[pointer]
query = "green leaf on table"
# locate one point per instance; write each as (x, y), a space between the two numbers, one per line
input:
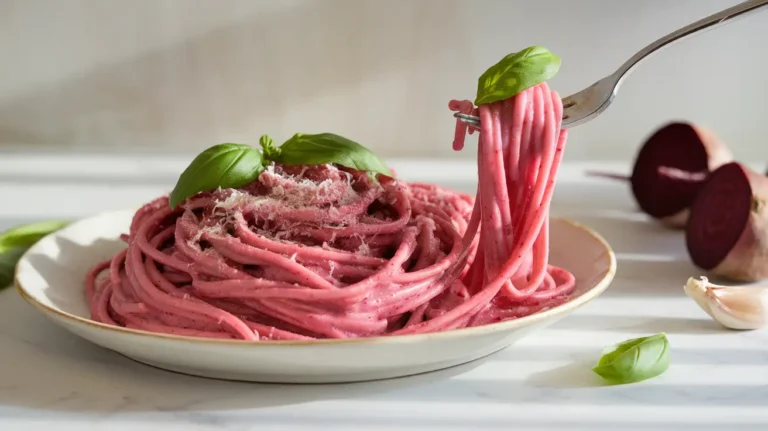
(28, 234)
(306, 149)
(634, 360)
(515, 73)
(8, 260)
(223, 165)
(15, 241)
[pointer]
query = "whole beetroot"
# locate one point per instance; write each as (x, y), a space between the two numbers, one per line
(727, 232)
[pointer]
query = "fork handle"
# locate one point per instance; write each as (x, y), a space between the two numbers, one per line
(708, 23)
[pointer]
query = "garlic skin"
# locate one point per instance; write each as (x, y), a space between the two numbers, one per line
(735, 307)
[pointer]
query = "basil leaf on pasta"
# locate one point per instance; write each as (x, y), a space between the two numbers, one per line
(223, 165)
(305, 149)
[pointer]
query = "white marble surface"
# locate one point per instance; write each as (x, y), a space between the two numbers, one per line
(51, 380)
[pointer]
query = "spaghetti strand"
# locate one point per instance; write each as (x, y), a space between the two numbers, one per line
(323, 251)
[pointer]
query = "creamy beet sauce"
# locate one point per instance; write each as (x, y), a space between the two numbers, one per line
(310, 252)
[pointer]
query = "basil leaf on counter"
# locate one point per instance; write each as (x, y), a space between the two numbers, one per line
(28, 234)
(634, 360)
(223, 165)
(516, 72)
(14, 242)
(304, 149)
(8, 260)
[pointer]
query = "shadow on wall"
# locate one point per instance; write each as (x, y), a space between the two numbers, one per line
(239, 81)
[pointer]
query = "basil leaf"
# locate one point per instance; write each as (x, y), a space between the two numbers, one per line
(634, 360)
(28, 234)
(8, 260)
(268, 147)
(14, 242)
(223, 165)
(303, 149)
(516, 72)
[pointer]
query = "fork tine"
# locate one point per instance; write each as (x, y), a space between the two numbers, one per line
(469, 119)
(475, 121)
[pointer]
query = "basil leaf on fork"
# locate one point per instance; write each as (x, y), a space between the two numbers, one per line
(516, 72)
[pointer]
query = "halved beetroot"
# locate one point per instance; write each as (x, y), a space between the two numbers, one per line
(727, 232)
(670, 168)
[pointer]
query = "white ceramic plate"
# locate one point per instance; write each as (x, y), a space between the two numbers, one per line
(50, 277)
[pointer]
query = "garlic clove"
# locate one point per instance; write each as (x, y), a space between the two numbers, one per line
(735, 307)
(740, 307)
(697, 289)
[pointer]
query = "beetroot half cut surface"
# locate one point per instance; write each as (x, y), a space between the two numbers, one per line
(719, 216)
(669, 170)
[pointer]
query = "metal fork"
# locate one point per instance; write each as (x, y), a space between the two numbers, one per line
(587, 104)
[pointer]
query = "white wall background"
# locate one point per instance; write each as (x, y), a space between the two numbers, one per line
(169, 75)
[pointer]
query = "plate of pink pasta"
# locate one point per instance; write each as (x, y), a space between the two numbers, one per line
(313, 262)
